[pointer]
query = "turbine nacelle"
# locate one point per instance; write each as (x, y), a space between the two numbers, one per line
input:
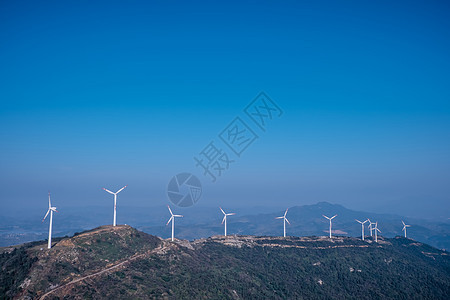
(50, 208)
(172, 216)
(48, 211)
(225, 214)
(284, 217)
(115, 192)
(405, 225)
(330, 218)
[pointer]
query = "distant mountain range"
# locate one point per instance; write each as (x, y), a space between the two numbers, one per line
(123, 263)
(201, 222)
(307, 220)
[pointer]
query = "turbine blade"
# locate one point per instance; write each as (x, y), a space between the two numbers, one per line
(121, 189)
(222, 210)
(287, 221)
(223, 220)
(169, 220)
(46, 215)
(403, 223)
(358, 221)
(179, 216)
(170, 210)
(108, 191)
(285, 213)
(279, 217)
(231, 214)
(333, 216)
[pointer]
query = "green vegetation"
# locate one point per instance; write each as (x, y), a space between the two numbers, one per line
(15, 266)
(239, 268)
(218, 271)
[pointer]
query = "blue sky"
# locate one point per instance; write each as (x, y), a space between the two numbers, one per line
(114, 93)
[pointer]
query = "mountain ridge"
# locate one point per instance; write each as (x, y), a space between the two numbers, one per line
(122, 262)
(201, 222)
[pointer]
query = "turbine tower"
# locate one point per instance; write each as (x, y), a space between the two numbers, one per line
(50, 210)
(330, 221)
(362, 228)
(376, 230)
(225, 219)
(172, 218)
(404, 227)
(115, 202)
(284, 221)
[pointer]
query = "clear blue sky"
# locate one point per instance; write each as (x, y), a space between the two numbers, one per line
(113, 93)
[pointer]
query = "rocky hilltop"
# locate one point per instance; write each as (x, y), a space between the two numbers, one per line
(122, 263)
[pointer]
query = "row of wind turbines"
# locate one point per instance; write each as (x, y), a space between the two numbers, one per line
(373, 229)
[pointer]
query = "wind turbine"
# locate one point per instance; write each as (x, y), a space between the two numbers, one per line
(115, 201)
(330, 221)
(172, 218)
(370, 226)
(50, 210)
(404, 227)
(284, 221)
(376, 231)
(225, 219)
(362, 228)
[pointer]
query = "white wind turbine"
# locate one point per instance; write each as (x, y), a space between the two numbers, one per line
(172, 218)
(115, 202)
(330, 221)
(50, 210)
(404, 227)
(370, 227)
(284, 222)
(376, 231)
(362, 227)
(225, 219)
